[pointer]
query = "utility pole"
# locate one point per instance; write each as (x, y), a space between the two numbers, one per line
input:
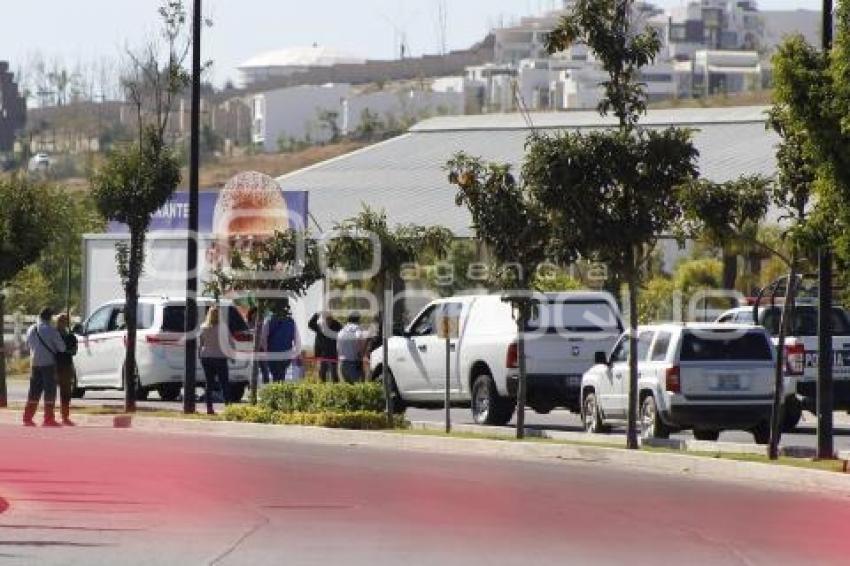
(824, 395)
(192, 262)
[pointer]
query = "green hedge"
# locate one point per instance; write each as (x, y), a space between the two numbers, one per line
(355, 420)
(305, 397)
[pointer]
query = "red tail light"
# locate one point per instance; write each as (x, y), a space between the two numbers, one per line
(159, 340)
(512, 357)
(243, 336)
(674, 381)
(795, 359)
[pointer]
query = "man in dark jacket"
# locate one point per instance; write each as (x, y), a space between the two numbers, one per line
(326, 328)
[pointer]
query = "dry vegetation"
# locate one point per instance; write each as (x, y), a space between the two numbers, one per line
(755, 98)
(216, 174)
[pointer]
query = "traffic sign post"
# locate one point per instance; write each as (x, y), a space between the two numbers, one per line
(448, 328)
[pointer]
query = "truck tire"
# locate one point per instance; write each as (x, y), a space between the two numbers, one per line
(709, 435)
(169, 391)
(651, 425)
(792, 412)
(399, 405)
(761, 433)
(488, 407)
(591, 416)
(141, 393)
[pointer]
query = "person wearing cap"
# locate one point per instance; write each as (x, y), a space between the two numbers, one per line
(351, 345)
(44, 343)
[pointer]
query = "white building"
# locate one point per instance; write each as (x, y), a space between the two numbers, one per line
(286, 116)
(286, 62)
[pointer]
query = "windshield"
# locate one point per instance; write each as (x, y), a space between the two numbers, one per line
(575, 316)
(805, 321)
(725, 345)
(174, 318)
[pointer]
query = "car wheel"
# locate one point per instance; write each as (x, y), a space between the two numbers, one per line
(399, 405)
(488, 407)
(710, 435)
(792, 412)
(237, 391)
(169, 391)
(651, 425)
(761, 433)
(591, 417)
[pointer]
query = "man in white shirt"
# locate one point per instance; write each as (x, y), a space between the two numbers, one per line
(351, 345)
(44, 342)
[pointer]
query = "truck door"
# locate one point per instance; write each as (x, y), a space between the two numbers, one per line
(411, 367)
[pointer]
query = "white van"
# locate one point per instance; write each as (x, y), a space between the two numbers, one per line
(562, 339)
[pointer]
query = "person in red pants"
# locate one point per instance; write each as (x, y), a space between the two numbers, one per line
(44, 343)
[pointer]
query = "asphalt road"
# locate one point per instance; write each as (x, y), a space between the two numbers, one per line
(805, 435)
(92, 496)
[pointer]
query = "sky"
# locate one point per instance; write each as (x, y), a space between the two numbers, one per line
(84, 31)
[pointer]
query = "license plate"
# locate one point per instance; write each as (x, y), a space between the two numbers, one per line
(728, 382)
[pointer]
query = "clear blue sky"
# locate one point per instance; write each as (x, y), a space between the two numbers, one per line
(85, 30)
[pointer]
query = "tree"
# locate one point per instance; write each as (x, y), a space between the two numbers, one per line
(514, 227)
(137, 180)
(271, 271)
(609, 195)
(354, 250)
(329, 121)
(27, 220)
(727, 216)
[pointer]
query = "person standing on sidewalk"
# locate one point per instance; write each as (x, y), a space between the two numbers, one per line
(44, 342)
(351, 346)
(279, 338)
(65, 367)
(214, 359)
(326, 328)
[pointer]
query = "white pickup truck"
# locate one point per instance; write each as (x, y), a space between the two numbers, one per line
(561, 343)
(801, 350)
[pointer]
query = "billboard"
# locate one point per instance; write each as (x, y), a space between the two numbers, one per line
(174, 215)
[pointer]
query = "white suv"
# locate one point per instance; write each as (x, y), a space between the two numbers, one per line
(160, 355)
(704, 377)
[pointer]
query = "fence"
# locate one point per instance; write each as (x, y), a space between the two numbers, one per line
(14, 332)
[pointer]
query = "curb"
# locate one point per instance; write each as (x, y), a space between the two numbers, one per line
(748, 473)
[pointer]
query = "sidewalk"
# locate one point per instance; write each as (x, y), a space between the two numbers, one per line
(748, 473)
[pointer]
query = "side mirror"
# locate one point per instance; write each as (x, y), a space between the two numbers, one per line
(78, 329)
(601, 358)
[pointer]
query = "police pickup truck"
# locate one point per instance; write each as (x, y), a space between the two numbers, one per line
(801, 352)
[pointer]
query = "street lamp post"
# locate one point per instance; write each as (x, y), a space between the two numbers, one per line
(192, 261)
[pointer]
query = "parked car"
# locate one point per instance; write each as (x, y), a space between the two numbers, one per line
(160, 356)
(703, 377)
(561, 340)
(801, 352)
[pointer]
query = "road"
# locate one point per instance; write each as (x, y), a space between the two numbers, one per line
(92, 496)
(805, 435)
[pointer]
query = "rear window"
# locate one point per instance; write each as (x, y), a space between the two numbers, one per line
(174, 318)
(575, 316)
(805, 321)
(725, 345)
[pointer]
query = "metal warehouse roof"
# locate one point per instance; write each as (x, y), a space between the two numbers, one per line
(405, 175)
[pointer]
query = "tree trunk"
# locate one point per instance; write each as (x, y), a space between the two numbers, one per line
(255, 366)
(387, 323)
(130, 315)
(632, 431)
(3, 395)
(522, 389)
(778, 385)
(730, 269)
